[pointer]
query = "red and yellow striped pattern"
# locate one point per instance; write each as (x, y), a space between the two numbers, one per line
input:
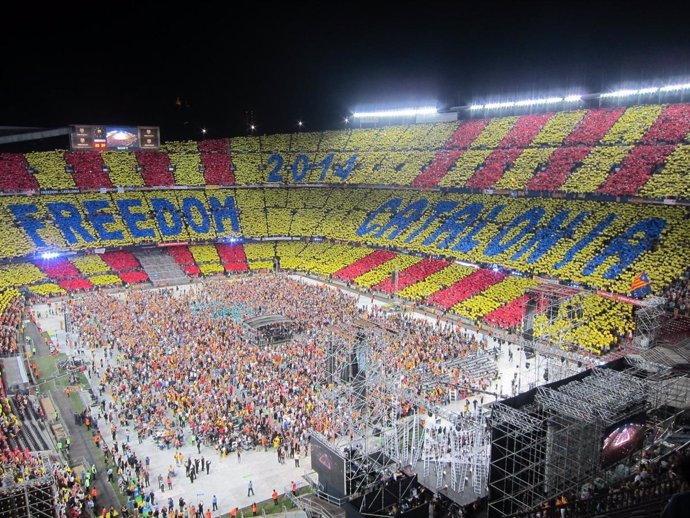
(622, 151)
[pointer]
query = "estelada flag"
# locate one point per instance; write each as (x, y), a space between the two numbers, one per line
(640, 285)
(640, 281)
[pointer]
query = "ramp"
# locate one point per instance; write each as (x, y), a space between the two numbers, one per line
(160, 267)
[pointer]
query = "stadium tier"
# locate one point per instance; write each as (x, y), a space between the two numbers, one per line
(401, 242)
(455, 238)
(641, 151)
(480, 295)
(602, 245)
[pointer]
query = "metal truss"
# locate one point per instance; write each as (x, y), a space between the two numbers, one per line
(646, 364)
(35, 498)
(381, 419)
(518, 447)
(667, 387)
(520, 422)
(649, 320)
(555, 300)
(361, 397)
(553, 444)
(456, 455)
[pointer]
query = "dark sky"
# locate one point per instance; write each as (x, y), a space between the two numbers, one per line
(129, 63)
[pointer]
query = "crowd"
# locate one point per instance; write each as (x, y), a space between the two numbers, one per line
(678, 295)
(479, 153)
(169, 367)
(651, 482)
(74, 496)
(18, 466)
(11, 307)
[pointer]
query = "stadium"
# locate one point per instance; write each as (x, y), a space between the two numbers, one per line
(453, 313)
(319, 260)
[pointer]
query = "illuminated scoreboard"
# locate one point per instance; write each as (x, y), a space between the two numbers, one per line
(84, 137)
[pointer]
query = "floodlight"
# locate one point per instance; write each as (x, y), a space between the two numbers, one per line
(404, 112)
(619, 93)
(650, 90)
(675, 88)
(572, 98)
(493, 106)
(476, 106)
(49, 255)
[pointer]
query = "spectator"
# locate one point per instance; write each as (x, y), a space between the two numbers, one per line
(679, 504)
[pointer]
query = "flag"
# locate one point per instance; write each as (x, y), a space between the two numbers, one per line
(640, 285)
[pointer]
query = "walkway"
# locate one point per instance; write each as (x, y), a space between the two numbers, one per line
(81, 448)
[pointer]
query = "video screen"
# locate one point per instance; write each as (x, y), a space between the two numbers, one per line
(622, 441)
(330, 466)
(122, 137)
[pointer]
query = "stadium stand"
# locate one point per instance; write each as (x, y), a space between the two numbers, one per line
(14, 173)
(123, 168)
(187, 168)
(591, 243)
(49, 169)
(456, 218)
(636, 170)
(232, 257)
(509, 316)
(465, 288)
(622, 151)
(385, 270)
(561, 163)
(155, 168)
(672, 180)
(87, 169)
(593, 126)
(672, 125)
(11, 307)
(383, 235)
(411, 275)
(364, 265)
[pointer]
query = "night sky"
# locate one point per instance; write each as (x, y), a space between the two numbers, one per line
(130, 63)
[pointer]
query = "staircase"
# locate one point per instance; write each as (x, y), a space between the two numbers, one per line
(160, 267)
(32, 435)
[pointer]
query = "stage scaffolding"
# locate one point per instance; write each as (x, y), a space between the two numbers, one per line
(385, 423)
(552, 443)
(549, 299)
(34, 498)
(649, 320)
(362, 393)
